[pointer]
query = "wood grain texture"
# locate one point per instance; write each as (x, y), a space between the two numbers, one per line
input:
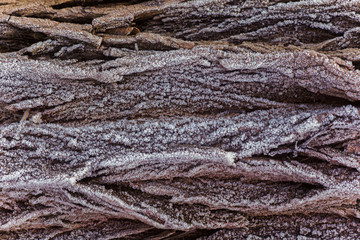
(203, 119)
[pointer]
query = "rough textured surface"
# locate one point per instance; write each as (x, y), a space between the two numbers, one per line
(204, 119)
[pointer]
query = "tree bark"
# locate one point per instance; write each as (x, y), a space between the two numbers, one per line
(213, 119)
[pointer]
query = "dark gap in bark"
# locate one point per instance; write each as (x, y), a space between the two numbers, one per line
(307, 187)
(56, 228)
(356, 65)
(338, 145)
(297, 94)
(130, 46)
(355, 104)
(315, 35)
(317, 98)
(326, 167)
(87, 19)
(119, 187)
(116, 187)
(90, 180)
(78, 20)
(86, 55)
(152, 46)
(309, 160)
(43, 15)
(16, 39)
(5, 211)
(146, 18)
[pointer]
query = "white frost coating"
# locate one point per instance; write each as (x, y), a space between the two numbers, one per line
(13, 176)
(138, 64)
(169, 158)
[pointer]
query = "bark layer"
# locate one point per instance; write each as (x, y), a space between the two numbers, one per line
(179, 119)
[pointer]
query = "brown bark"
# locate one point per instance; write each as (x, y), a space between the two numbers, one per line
(179, 119)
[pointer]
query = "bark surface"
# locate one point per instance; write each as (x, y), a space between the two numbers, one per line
(170, 119)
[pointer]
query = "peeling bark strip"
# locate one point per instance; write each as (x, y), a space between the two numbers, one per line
(179, 119)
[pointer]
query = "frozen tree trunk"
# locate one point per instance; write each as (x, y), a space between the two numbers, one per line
(204, 119)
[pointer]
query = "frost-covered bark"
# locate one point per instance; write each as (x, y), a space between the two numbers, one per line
(179, 119)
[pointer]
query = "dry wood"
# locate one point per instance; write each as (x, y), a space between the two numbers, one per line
(204, 119)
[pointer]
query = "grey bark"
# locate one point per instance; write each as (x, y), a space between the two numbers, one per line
(179, 119)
